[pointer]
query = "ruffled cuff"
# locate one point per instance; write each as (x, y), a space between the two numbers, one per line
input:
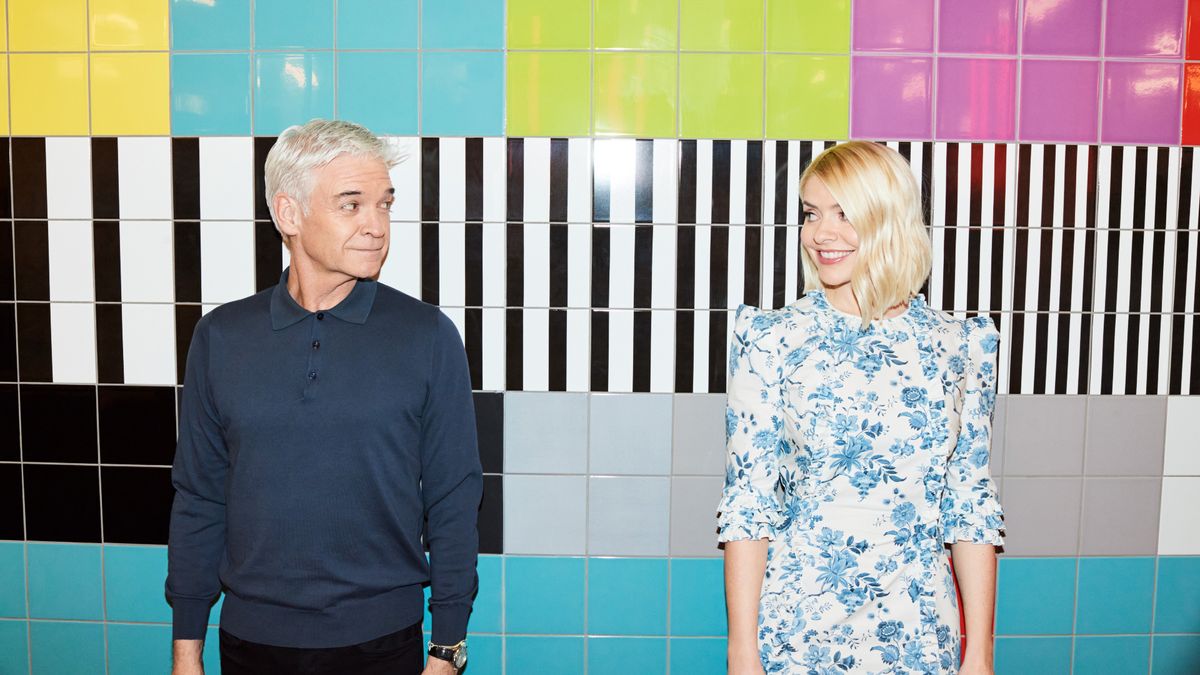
(748, 518)
(975, 522)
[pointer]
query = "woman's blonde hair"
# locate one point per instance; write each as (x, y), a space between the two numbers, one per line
(879, 195)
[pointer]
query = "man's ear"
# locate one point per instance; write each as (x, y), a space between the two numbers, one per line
(287, 214)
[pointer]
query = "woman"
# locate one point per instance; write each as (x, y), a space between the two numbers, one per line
(859, 426)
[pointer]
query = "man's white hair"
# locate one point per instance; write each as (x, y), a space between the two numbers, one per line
(304, 148)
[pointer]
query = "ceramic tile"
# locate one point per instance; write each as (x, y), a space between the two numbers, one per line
(14, 646)
(808, 96)
(291, 89)
(377, 24)
(612, 655)
(531, 528)
(1175, 654)
(60, 647)
(1044, 85)
(47, 25)
(4, 117)
(1125, 435)
(1141, 103)
(138, 649)
(1061, 27)
(293, 24)
(1177, 600)
(131, 94)
(1041, 516)
(12, 580)
(49, 94)
(1115, 595)
(636, 24)
(721, 95)
(1035, 596)
(128, 24)
(893, 25)
(820, 27)
(379, 91)
(627, 596)
(1139, 28)
(721, 25)
(549, 24)
(1045, 435)
(65, 582)
(544, 595)
(1192, 30)
(1182, 455)
(616, 501)
(1120, 516)
(462, 24)
(1103, 655)
(694, 515)
(891, 97)
(62, 503)
(698, 656)
(136, 504)
(698, 435)
(462, 94)
(976, 99)
(630, 434)
(530, 654)
(547, 93)
(204, 24)
(978, 27)
(545, 432)
(635, 94)
(1179, 527)
(133, 583)
(1191, 104)
(697, 597)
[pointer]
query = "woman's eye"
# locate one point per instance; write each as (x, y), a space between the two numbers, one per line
(810, 215)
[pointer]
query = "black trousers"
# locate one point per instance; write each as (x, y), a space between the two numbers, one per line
(400, 653)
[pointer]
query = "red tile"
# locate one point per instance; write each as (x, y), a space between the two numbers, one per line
(1193, 30)
(1191, 103)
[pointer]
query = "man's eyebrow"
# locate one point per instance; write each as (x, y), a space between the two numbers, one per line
(356, 193)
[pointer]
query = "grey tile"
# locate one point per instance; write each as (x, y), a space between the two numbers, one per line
(545, 514)
(694, 515)
(698, 437)
(1126, 435)
(1041, 515)
(630, 434)
(1120, 516)
(1043, 435)
(999, 419)
(628, 515)
(545, 432)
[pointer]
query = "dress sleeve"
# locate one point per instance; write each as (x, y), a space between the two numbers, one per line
(749, 508)
(970, 509)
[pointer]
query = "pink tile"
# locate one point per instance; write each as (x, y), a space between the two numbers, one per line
(976, 99)
(1044, 87)
(1062, 27)
(978, 26)
(1141, 102)
(893, 25)
(891, 97)
(1144, 28)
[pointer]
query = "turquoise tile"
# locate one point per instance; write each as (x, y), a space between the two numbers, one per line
(1178, 597)
(486, 654)
(543, 595)
(532, 654)
(133, 583)
(462, 94)
(12, 579)
(212, 651)
(14, 646)
(134, 649)
(617, 656)
(627, 596)
(210, 94)
(376, 24)
(485, 616)
(1112, 655)
(698, 656)
(293, 24)
(61, 648)
(1115, 595)
(1033, 656)
(462, 24)
(1175, 654)
(379, 91)
(64, 582)
(697, 597)
(1035, 596)
(291, 89)
(210, 24)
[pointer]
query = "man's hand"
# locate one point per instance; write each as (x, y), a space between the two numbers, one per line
(188, 657)
(434, 666)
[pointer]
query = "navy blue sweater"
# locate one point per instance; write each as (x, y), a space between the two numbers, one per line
(312, 448)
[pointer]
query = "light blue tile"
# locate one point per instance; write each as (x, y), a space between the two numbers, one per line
(544, 595)
(12, 579)
(293, 24)
(210, 94)
(630, 434)
(620, 656)
(627, 596)
(64, 582)
(212, 651)
(210, 24)
(377, 24)
(1175, 654)
(133, 583)
(14, 646)
(545, 432)
(697, 597)
(486, 654)
(379, 91)
(698, 656)
(134, 649)
(462, 94)
(61, 648)
(1035, 596)
(616, 501)
(462, 24)
(531, 527)
(532, 654)
(1178, 603)
(1111, 655)
(485, 617)
(1033, 656)
(291, 89)
(1115, 595)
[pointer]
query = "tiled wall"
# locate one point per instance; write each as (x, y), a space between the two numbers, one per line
(592, 186)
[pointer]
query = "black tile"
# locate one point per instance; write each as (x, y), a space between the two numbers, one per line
(12, 512)
(491, 515)
(10, 439)
(489, 425)
(106, 197)
(62, 503)
(7, 290)
(110, 355)
(32, 243)
(137, 504)
(187, 261)
(8, 342)
(58, 423)
(137, 425)
(186, 318)
(106, 259)
(268, 255)
(185, 177)
(5, 195)
(29, 177)
(33, 340)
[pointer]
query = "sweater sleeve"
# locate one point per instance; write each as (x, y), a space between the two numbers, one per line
(197, 535)
(451, 485)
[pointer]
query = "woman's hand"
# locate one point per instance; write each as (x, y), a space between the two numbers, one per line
(976, 667)
(744, 665)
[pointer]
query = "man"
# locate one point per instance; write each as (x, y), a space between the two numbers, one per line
(326, 425)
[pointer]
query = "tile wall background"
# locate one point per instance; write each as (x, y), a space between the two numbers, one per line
(591, 187)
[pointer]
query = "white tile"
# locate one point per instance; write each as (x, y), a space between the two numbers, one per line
(579, 363)
(493, 336)
(72, 274)
(457, 316)
(537, 263)
(579, 265)
(494, 247)
(227, 178)
(530, 527)
(148, 337)
(73, 341)
(406, 178)
(579, 180)
(1183, 436)
(535, 364)
(452, 184)
(147, 252)
(144, 177)
(1179, 524)
(68, 178)
(536, 182)
(226, 260)
(402, 269)
(452, 275)
(495, 185)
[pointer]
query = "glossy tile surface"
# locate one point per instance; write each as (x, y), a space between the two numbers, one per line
(635, 94)
(1144, 28)
(379, 91)
(128, 24)
(130, 94)
(462, 24)
(210, 94)
(1141, 102)
(377, 24)
(549, 24)
(291, 88)
(976, 99)
(210, 24)
(293, 24)
(978, 26)
(893, 25)
(721, 25)
(547, 93)
(891, 97)
(49, 94)
(808, 96)
(1044, 85)
(47, 25)
(462, 93)
(1191, 104)
(1061, 27)
(636, 24)
(720, 95)
(822, 27)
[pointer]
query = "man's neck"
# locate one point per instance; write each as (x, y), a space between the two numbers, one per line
(317, 289)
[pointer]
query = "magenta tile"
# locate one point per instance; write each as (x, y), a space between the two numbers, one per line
(891, 97)
(977, 99)
(1044, 87)
(1144, 28)
(1141, 102)
(1062, 27)
(978, 26)
(893, 25)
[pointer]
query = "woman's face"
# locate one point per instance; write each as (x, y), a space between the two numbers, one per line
(828, 237)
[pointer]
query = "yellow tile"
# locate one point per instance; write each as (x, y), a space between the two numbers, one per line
(4, 31)
(47, 25)
(129, 24)
(4, 94)
(49, 94)
(130, 94)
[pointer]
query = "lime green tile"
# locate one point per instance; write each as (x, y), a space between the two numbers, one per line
(635, 94)
(808, 96)
(721, 95)
(721, 25)
(821, 27)
(636, 24)
(548, 93)
(549, 24)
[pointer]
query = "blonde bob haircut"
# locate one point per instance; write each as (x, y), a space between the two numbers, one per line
(878, 193)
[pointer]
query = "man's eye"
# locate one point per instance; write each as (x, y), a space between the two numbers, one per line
(387, 206)
(350, 206)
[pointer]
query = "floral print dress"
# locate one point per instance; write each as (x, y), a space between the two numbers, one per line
(859, 453)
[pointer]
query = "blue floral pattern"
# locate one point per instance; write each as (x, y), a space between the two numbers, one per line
(859, 454)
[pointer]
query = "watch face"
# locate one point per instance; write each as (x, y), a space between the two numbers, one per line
(460, 656)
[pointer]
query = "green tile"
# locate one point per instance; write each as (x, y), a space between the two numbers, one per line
(636, 24)
(548, 94)
(549, 24)
(721, 25)
(808, 96)
(822, 27)
(635, 94)
(721, 95)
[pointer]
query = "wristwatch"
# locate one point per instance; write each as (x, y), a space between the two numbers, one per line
(455, 654)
